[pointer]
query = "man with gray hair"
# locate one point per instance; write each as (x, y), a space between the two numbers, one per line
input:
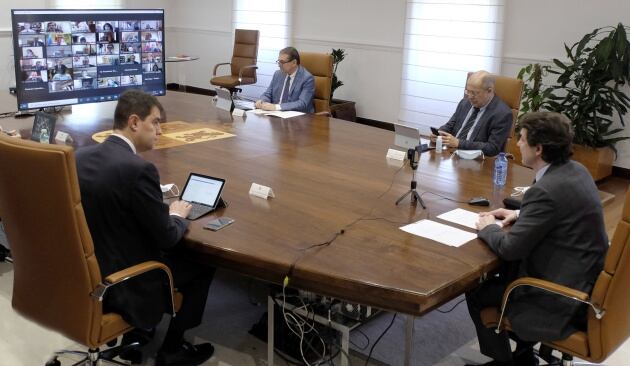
(482, 121)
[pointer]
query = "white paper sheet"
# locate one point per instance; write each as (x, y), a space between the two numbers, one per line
(439, 232)
(283, 114)
(464, 218)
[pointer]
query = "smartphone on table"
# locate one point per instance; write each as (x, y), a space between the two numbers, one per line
(218, 223)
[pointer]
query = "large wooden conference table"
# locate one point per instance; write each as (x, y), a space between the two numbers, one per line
(328, 175)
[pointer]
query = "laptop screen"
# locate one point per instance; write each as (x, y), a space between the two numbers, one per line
(203, 189)
(406, 137)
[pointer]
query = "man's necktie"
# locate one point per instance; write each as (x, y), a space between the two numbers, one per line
(285, 93)
(463, 133)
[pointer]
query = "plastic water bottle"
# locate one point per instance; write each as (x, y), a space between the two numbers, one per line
(44, 137)
(500, 170)
(438, 144)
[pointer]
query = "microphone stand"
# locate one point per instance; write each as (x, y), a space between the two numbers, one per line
(413, 154)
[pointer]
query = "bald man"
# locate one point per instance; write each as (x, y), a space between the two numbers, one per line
(482, 121)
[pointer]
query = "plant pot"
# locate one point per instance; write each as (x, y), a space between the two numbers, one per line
(598, 161)
(343, 109)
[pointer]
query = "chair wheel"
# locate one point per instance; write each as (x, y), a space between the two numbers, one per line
(53, 362)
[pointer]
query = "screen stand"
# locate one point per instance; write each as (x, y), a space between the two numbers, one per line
(222, 203)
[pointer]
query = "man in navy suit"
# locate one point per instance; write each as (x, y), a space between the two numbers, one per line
(130, 224)
(482, 121)
(292, 87)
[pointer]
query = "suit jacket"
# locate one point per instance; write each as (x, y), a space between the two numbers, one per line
(130, 224)
(559, 236)
(490, 133)
(300, 96)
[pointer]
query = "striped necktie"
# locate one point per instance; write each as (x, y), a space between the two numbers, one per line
(463, 133)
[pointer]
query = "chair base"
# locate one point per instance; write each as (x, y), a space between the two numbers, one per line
(544, 353)
(93, 356)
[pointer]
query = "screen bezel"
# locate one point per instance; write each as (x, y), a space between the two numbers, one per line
(96, 95)
(216, 201)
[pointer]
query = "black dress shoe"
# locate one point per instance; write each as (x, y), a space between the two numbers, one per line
(525, 358)
(139, 336)
(186, 355)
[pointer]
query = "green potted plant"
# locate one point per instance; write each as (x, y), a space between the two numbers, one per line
(342, 109)
(588, 91)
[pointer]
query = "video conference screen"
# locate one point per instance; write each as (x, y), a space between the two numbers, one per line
(65, 57)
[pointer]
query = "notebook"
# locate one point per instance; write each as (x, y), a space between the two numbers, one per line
(204, 194)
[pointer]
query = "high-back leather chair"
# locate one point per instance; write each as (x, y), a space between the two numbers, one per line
(608, 323)
(510, 91)
(320, 65)
(243, 65)
(57, 281)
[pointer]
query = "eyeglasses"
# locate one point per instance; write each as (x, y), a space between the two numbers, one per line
(282, 62)
(474, 93)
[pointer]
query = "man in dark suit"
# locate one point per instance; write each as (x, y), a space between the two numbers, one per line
(558, 235)
(130, 224)
(482, 121)
(292, 87)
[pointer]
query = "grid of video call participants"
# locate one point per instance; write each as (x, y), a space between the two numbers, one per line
(67, 56)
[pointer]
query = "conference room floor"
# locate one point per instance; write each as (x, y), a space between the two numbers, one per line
(24, 343)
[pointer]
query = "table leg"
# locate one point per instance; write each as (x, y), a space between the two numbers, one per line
(409, 339)
(270, 326)
(345, 346)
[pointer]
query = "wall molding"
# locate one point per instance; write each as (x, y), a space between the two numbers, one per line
(197, 30)
(5, 33)
(348, 44)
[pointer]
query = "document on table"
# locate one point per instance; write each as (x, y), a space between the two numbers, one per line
(281, 114)
(439, 232)
(464, 218)
(284, 114)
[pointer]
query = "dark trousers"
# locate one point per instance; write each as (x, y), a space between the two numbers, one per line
(489, 294)
(193, 281)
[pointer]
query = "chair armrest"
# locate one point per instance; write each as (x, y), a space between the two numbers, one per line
(240, 72)
(549, 287)
(130, 272)
(214, 72)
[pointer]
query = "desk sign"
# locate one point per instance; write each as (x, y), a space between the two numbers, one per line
(261, 191)
(238, 112)
(396, 154)
(62, 137)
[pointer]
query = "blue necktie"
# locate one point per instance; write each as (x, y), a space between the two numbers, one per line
(285, 94)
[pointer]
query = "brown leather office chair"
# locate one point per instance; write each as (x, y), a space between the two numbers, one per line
(321, 66)
(57, 281)
(608, 323)
(510, 91)
(243, 65)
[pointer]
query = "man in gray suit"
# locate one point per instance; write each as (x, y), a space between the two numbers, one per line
(292, 87)
(558, 235)
(482, 121)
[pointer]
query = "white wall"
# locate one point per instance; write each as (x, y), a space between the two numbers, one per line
(371, 32)
(536, 30)
(198, 28)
